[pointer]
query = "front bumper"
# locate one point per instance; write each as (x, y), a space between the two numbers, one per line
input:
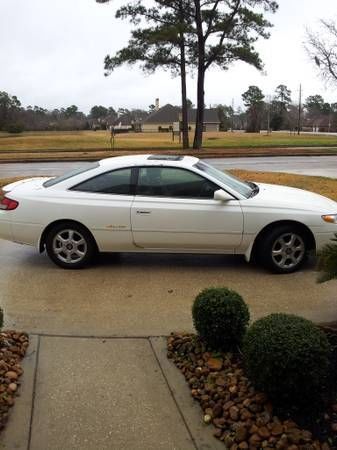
(324, 238)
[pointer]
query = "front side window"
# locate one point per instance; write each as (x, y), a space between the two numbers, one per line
(173, 182)
(114, 182)
(226, 178)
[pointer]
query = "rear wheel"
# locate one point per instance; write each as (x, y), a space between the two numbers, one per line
(70, 246)
(284, 249)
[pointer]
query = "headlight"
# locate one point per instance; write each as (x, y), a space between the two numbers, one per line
(331, 218)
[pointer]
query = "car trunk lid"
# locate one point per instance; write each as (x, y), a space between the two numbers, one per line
(33, 183)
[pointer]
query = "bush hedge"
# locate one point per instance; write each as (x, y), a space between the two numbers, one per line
(327, 261)
(287, 357)
(15, 128)
(220, 317)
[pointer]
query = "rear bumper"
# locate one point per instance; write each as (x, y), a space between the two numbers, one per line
(5, 229)
(26, 233)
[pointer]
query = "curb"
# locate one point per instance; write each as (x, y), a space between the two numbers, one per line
(189, 409)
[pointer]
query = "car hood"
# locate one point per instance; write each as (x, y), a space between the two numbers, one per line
(292, 198)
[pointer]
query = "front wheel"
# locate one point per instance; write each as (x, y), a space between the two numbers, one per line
(70, 246)
(283, 250)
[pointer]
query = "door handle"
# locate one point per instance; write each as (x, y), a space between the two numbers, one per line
(143, 212)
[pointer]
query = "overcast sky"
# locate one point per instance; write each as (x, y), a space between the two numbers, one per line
(51, 55)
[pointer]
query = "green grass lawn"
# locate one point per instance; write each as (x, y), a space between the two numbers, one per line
(100, 140)
(255, 140)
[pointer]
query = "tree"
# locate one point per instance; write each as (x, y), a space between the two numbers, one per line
(152, 108)
(162, 44)
(283, 95)
(314, 103)
(71, 111)
(253, 100)
(193, 33)
(279, 108)
(9, 106)
(321, 47)
(225, 115)
(226, 32)
(317, 109)
(98, 112)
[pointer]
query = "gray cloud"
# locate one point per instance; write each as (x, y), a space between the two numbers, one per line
(51, 55)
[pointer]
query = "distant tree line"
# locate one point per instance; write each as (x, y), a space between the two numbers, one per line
(277, 112)
(15, 118)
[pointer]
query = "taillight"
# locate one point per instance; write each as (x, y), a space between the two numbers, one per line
(8, 204)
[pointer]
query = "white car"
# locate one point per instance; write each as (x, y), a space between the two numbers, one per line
(168, 204)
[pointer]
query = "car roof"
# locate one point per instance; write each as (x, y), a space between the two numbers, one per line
(149, 160)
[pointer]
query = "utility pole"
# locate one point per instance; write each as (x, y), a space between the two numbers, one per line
(299, 111)
(232, 115)
(268, 112)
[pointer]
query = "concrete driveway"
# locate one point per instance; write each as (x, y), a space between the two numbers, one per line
(96, 374)
(143, 295)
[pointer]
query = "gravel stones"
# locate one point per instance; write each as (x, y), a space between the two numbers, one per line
(13, 346)
(243, 417)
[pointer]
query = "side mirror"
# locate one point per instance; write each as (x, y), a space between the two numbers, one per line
(222, 196)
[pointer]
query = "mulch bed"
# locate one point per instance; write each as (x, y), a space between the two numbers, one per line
(244, 418)
(13, 347)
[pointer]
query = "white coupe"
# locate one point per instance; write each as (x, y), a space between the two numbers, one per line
(169, 204)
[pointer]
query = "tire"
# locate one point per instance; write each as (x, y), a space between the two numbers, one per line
(283, 249)
(70, 246)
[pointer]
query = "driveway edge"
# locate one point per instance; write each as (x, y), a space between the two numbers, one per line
(189, 409)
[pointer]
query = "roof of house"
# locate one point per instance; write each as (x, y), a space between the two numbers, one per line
(170, 114)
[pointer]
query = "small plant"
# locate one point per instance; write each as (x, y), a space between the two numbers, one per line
(221, 317)
(287, 357)
(15, 128)
(327, 262)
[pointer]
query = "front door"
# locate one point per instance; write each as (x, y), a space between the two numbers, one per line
(174, 209)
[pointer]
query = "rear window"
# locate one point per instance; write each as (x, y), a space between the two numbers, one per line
(70, 174)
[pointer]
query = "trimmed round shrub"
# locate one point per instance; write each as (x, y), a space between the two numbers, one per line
(287, 357)
(220, 317)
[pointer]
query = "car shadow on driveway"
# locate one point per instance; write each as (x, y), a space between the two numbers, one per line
(153, 260)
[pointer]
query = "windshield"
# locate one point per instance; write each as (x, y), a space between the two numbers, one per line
(229, 180)
(70, 174)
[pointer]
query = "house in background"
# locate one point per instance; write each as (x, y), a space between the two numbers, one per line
(163, 118)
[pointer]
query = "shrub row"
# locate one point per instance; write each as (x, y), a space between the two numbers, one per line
(285, 356)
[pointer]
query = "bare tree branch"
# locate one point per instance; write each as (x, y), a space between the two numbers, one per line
(321, 47)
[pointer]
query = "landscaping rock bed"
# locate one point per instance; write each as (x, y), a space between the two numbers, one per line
(244, 418)
(13, 347)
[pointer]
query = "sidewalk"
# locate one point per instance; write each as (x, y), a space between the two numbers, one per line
(100, 394)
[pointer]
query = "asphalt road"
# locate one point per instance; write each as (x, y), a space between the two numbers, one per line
(325, 166)
(144, 295)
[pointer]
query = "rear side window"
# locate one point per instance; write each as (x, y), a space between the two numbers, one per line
(70, 174)
(114, 182)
